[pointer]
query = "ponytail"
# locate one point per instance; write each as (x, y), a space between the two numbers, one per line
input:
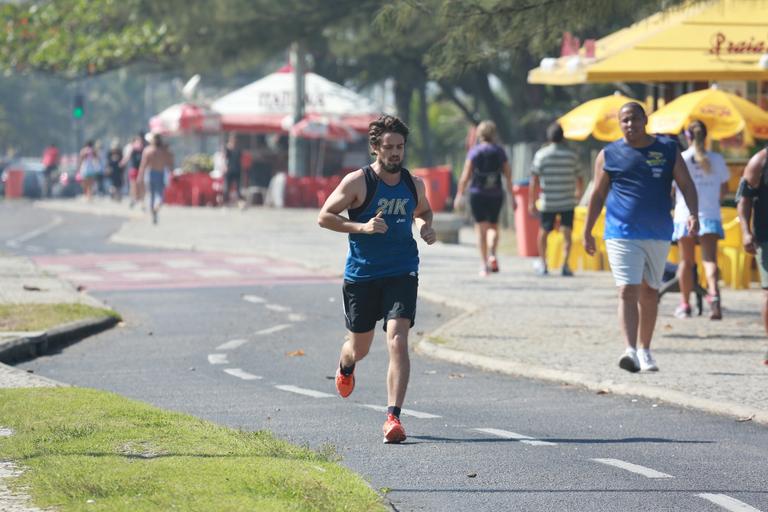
(698, 134)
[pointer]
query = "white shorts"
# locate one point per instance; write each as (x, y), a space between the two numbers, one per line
(635, 261)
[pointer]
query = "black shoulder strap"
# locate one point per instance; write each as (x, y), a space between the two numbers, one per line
(371, 183)
(405, 175)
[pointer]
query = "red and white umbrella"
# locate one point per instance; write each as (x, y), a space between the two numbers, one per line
(262, 105)
(323, 128)
(185, 118)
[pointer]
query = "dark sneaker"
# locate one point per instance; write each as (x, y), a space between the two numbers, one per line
(629, 361)
(345, 384)
(393, 430)
(566, 271)
(715, 311)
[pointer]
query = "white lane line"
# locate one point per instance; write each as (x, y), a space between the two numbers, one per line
(303, 391)
(277, 308)
(404, 412)
(26, 237)
(231, 344)
(296, 317)
(240, 342)
(254, 299)
(77, 276)
(506, 434)
(58, 269)
(240, 374)
(245, 260)
(634, 468)
(728, 503)
(217, 359)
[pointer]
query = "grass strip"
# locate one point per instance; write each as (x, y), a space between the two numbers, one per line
(41, 317)
(83, 449)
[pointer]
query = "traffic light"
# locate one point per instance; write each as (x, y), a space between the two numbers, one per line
(78, 106)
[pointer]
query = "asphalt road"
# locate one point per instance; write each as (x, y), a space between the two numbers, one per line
(262, 356)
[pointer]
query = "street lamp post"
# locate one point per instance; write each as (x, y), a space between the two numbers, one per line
(297, 161)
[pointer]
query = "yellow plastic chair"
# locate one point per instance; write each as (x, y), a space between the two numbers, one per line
(735, 263)
(579, 257)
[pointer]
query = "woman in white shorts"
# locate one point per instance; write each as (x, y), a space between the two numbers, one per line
(710, 175)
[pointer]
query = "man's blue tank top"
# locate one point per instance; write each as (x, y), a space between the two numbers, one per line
(393, 253)
(639, 200)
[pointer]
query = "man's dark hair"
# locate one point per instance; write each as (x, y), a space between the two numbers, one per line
(555, 133)
(633, 105)
(385, 124)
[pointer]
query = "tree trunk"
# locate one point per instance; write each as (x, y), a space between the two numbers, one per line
(427, 155)
(403, 94)
(496, 109)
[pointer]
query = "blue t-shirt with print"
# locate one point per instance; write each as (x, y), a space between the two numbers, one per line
(639, 201)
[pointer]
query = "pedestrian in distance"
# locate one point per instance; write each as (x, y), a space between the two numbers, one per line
(114, 170)
(382, 201)
(753, 197)
(484, 167)
(233, 158)
(633, 179)
(556, 181)
(710, 176)
(89, 167)
(50, 163)
(156, 165)
(132, 161)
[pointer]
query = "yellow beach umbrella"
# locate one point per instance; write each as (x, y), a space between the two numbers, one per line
(598, 117)
(724, 114)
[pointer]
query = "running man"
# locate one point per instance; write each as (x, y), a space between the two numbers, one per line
(753, 190)
(382, 201)
(156, 162)
(633, 178)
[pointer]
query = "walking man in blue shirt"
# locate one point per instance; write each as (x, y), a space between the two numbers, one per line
(633, 179)
(382, 201)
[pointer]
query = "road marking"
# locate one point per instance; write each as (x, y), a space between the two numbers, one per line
(296, 317)
(58, 269)
(118, 266)
(277, 308)
(240, 374)
(217, 359)
(728, 503)
(240, 342)
(182, 263)
(26, 237)
(634, 468)
(302, 391)
(404, 412)
(506, 434)
(254, 299)
(245, 260)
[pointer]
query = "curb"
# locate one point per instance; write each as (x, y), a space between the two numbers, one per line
(486, 363)
(29, 347)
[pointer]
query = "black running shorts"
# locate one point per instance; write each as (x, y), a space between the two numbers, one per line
(548, 220)
(485, 208)
(366, 302)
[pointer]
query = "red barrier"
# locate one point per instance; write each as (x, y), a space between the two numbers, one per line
(437, 181)
(14, 183)
(292, 192)
(526, 226)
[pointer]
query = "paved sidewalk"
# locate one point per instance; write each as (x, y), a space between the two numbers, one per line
(553, 328)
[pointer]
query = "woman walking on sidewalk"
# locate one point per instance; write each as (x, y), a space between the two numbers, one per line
(483, 168)
(710, 175)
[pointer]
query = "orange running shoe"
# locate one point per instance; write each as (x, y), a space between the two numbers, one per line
(393, 430)
(493, 264)
(345, 384)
